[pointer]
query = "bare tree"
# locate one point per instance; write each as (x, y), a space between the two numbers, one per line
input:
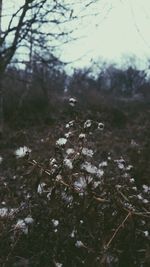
(33, 21)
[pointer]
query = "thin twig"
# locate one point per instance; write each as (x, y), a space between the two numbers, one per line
(117, 230)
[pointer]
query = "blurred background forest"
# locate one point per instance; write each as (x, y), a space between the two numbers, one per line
(36, 81)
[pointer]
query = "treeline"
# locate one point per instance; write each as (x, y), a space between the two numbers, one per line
(30, 93)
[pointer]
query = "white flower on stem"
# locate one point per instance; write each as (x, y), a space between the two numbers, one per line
(134, 144)
(118, 186)
(68, 164)
(139, 197)
(69, 124)
(72, 235)
(134, 188)
(70, 151)
(61, 141)
(129, 167)
(120, 163)
(58, 178)
(146, 233)
(82, 136)
(87, 152)
(87, 124)
(58, 264)
(72, 102)
(100, 126)
(40, 188)
(28, 220)
(22, 151)
(79, 244)
(53, 161)
(96, 184)
(1, 159)
(67, 135)
(5, 212)
(132, 180)
(22, 225)
(146, 188)
(67, 198)
(100, 173)
(55, 222)
(80, 184)
(145, 201)
(103, 164)
(87, 166)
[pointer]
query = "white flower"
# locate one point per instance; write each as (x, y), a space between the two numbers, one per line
(139, 197)
(120, 163)
(22, 151)
(1, 159)
(132, 180)
(100, 126)
(61, 141)
(134, 144)
(21, 225)
(81, 136)
(118, 186)
(134, 188)
(80, 184)
(69, 124)
(29, 220)
(87, 124)
(5, 212)
(146, 233)
(120, 166)
(58, 178)
(67, 198)
(79, 244)
(70, 151)
(67, 135)
(87, 152)
(129, 167)
(146, 188)
(89, 168)
(55, 222)
(72, 101)
(58, 264)
(53, 161)
(72, 235)
(100, 173)
(96, 184)
(68, 163)
(41, 189)
(145, 201)
(103, 164)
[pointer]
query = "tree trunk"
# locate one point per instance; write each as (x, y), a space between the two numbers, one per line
(1, 78)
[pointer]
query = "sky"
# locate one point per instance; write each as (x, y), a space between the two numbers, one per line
(121, 29)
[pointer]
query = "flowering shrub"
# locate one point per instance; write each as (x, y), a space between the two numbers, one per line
(77, 208)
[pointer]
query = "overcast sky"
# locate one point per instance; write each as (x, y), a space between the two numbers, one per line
(123, 30)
